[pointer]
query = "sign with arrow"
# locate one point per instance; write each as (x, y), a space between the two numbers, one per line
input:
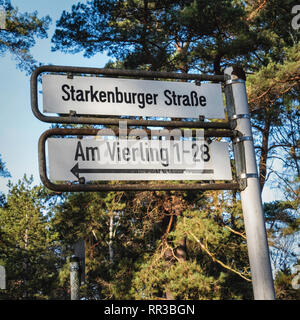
(130, 97)
(115, 159)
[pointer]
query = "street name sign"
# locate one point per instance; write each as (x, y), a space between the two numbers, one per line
(117, 159)
(113, 158)
(131, 97)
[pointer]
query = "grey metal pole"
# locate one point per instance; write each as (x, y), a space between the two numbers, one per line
(258, 250)
(2, 278)
(75, 277)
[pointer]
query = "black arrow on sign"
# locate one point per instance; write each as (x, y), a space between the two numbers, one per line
(76, 171)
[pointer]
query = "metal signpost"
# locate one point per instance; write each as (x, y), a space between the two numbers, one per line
(80, 159)
(77, 269)
(2, 278)
(75, 277)
(79, 252)
(237, 107)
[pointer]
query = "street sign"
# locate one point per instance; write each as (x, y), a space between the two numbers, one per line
(130, 97)
(114, 159)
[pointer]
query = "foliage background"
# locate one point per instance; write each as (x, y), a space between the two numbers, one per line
(162, 245)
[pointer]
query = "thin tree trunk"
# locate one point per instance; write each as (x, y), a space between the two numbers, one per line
(264, 153)
(26, 259)
(110, 244)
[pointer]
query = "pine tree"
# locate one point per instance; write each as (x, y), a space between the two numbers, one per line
(3, 171)
(28, 245)
(18, 36)
(199, 236)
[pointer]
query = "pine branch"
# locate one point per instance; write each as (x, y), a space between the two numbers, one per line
(254, 13)
(235, 232)
(204, 248)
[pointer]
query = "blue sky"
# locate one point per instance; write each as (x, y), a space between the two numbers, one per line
(19, 129)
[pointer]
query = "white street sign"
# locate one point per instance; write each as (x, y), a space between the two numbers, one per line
(130, 97)
(114, 159)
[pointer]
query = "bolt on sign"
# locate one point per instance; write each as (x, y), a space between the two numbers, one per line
(131, 97)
